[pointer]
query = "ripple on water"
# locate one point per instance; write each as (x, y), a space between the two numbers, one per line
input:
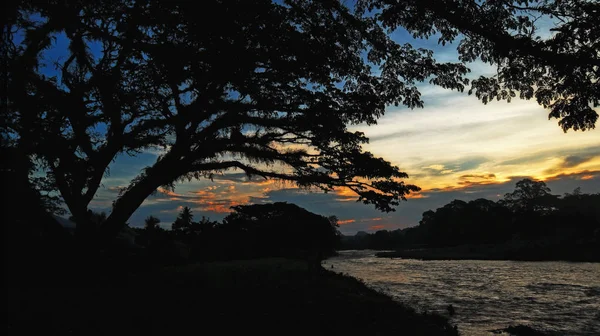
(560, 297)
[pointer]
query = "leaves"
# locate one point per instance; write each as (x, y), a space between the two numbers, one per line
(559, 67)
(268, 89)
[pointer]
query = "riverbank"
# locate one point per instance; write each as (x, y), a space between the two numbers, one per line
(266, 296)
(526, 251)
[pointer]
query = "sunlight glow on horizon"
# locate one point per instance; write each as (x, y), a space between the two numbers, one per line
(433, 144)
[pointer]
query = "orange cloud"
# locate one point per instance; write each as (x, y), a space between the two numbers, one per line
(372, 219)
(222, 206)
(415, 196)
(376, 227)
(168, 192)
(175, 210)
(346, 221)
(220, 199)
(345, 194)
(204, 193)
(587, 177)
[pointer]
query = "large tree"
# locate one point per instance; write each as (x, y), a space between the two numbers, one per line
(151, 223)
(283, 229)
(547, 49)
(184, 221)
(265, 88)
(530, 195)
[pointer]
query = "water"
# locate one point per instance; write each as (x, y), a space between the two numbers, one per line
(560, 297)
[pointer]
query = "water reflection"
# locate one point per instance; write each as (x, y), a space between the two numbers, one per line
(560, 297)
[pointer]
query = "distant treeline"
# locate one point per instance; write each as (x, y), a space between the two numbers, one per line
(250, 231)
(529, 223)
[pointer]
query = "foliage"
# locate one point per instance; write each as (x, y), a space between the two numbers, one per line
(559, 66)
(250, 231)
(282, 229)
(151, 223)
(267, 89)
(183, 222)
(529, 222)
(530, 195)
(20, 185)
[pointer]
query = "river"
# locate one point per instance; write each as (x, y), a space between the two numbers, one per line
(562, 298)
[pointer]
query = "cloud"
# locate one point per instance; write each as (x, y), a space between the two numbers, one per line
(213, 201)
(572, 156)
(239, 178)
(116, 189)
(454, 166)
(168, 193)
(571, 161)
(575, 160)
(435, 167)
(478, 177)
(589, 181)
(454, 148)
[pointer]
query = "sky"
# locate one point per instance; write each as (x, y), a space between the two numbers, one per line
(453, 148)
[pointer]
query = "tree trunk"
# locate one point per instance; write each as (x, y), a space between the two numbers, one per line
(163, 172)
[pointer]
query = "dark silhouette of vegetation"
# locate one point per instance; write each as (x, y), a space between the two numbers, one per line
(250, 231)
(270, 296)
(254, 290)
(30, 231)
(246, 83)
(73, 121)
(270, 90)
(558, 65)
(282, 230)
(184, 221)
(151, 223)
(529, 223)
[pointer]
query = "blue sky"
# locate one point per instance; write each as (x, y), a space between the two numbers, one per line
(453, 148)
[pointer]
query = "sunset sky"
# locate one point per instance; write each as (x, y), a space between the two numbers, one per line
(453, 148)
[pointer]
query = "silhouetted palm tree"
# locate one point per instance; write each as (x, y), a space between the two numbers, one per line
(184, 220)
(151, 223)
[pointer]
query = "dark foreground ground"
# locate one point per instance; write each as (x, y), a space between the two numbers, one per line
(266, 296)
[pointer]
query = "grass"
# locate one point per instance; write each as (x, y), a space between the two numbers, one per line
(268, 296)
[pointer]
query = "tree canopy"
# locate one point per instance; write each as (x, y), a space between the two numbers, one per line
(265, 88)
(184, 220)
(529, 195)
(151, 223)
(283, 229)
(529, 223)
(543, 49)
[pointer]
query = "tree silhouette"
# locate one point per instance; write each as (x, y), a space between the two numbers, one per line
(267, 89)
(204, 225)
(560, 67)
(528, 224)
(529, 195)
(151, 223)
(283, 229)
(184, 220)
